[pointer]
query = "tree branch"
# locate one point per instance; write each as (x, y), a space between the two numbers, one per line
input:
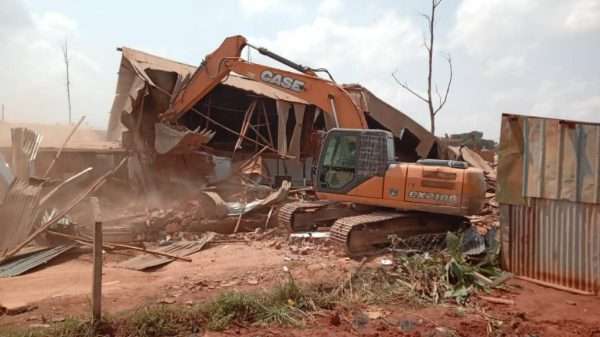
(407, 88)
(437, 93)
(443, 102)
(428, 43)
(428, 24)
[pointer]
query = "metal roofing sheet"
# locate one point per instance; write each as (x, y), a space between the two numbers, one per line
(548, 158)
(26, 263)
(142, 61)
(16, 212)
(182, 248)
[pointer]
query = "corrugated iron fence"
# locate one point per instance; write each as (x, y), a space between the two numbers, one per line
(549, 195)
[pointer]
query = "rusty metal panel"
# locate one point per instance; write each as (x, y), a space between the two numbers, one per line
(548, 158)
(553, 241)
(510, 161)
(181, 248)
(16, 213)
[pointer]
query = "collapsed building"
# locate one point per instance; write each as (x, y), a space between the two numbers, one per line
(240, 118)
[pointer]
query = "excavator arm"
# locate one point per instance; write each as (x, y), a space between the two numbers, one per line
(324, 94)
(207, 76)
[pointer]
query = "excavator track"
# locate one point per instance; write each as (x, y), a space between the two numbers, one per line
(303, 216)
(369, 233)
(288, 211)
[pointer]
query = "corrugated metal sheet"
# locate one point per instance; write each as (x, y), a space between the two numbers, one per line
(554, 241)
(6, 178)
(16, 212)
(182, 248)
(548, 158)
(549, 194)
(26, 263)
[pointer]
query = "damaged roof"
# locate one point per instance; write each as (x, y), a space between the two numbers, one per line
(53, 136)
(140, 62)
(390, 117)
(129, 87)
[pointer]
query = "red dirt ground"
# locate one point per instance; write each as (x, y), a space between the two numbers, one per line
(62, 289)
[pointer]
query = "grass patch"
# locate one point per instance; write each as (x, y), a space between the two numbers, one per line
(286, 304)
(162, 320)
(231, 307)
(71, 327)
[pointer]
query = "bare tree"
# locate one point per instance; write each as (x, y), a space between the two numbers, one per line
(65, 50)
(434, 107)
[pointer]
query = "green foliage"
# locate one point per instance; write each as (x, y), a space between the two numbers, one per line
(154, 321)
(433, 278)
(230, 307)
(286, 304)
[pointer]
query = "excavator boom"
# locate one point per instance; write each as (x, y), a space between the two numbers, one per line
(330, 98)
(208, 75)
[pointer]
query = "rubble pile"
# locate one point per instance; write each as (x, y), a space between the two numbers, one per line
(489, 215)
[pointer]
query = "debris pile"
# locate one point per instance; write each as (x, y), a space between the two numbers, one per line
(212, 212)
(29, 207)
(489, 216)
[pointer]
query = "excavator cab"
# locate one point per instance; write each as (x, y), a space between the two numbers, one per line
(349, 157)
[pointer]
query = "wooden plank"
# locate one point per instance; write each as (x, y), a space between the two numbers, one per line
(97, 271)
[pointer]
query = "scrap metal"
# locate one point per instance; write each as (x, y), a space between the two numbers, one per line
(26, 263)
(25, 146)
(181, 248)
(6, 178)
(17, 213)
(61, 214)
(169, 139)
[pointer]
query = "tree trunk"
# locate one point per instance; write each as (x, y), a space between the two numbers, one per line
(430, 72)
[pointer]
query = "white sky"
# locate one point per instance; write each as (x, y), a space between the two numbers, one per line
(527, 56)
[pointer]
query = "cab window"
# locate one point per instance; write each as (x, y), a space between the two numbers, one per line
(339, 162)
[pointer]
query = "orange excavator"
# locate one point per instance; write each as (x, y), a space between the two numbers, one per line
(364, 195)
